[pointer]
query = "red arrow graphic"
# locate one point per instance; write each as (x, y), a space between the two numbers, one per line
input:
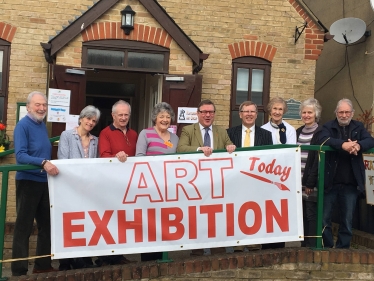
(281, 186)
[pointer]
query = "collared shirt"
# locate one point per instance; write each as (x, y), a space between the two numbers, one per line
(251, 135)
(210, 132)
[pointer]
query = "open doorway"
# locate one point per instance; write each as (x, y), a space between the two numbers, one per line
(141, 91)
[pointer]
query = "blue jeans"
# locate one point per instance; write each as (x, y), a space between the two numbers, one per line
(346, 197)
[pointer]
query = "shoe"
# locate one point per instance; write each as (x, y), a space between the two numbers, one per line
(51, 269)
(123, 260)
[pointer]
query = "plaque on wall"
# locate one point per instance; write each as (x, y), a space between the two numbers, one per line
(293, 109)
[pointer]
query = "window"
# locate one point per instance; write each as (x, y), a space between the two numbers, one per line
(4, 74)
(125, 55)
(251, 81)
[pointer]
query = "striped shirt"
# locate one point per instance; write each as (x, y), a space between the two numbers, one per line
(150, 143)
(305, 137)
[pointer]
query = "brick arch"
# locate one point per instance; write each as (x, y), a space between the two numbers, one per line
(7, 31)
(141, 32)
(252, 48)
(313, 36)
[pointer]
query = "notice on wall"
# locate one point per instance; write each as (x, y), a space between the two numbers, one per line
(59, 97)
(71, 122)
(57, 113)
(369, 178)
(187, 115)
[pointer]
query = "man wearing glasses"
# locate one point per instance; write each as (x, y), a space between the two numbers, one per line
(248, 134)
(205, 137)
(117, 140)
(344, 170)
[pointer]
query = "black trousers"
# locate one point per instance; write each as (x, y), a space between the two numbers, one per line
(32, 202)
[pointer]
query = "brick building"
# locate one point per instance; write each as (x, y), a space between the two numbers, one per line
(178, 51)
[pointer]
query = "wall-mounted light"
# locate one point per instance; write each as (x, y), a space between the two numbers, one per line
(127, 19)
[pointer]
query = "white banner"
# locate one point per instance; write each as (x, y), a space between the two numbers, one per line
(175, 202)
(369, 178)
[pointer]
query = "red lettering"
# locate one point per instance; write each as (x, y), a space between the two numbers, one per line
(249, 230)
(142, 183)
(124, 225)
(230, 219)
(192, 230)
(167, 223)
(254, 159)
(151, 225)
(218, 184)
(185, 175)
(69, 228)
(272, 212)
(211, 211)
(101, 228)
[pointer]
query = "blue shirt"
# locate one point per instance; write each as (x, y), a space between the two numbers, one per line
(31, 146)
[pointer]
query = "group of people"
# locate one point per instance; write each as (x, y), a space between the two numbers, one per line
(344, 173)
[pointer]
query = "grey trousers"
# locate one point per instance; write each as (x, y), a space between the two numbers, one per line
(32, 202)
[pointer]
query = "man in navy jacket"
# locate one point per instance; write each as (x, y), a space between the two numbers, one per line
(256, 136)
(344, 170)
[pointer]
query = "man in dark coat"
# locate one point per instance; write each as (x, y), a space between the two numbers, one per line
(248, 134)
(344, 170)
(257, 136)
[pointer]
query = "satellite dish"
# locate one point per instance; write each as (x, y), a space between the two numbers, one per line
(348, 30)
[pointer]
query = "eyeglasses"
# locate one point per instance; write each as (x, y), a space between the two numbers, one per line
(205, 112)
(248, 111)
(344, 112)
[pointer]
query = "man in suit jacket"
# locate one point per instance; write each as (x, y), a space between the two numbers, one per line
(248, 134)
(203, 136)
(257, 135)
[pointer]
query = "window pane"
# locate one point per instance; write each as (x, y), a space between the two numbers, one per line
(242, 85)
(105, 57)
(1, 70)
(1, 108)
(235, 119)
(257, 86)
(145, 60)
(260, 118)
(108, 88)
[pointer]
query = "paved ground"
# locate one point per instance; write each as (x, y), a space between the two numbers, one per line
(177, 255)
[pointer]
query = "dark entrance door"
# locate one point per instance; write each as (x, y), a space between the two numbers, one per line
(186, 93)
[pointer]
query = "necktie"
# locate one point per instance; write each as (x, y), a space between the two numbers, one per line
(206, 137)
(282, 133)
(247, 139)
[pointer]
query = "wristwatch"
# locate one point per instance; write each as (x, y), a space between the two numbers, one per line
(44, 162)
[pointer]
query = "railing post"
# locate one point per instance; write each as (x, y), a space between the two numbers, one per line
(321, 182)
(4, 196)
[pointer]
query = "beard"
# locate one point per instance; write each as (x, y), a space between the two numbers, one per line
(38, 117)
(344, 122)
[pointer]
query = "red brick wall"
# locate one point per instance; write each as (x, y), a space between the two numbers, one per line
(282, 264)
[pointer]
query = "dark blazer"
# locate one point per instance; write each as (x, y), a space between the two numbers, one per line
(262, 136)
(332, 135)
(310, 176)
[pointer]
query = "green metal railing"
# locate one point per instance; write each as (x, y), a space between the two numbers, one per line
(5, 169)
